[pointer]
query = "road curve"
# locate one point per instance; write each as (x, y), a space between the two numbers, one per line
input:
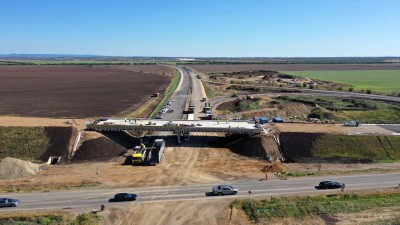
(260, 188)
(303, 91)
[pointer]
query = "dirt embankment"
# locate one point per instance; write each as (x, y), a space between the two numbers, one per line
(60, 142)
(256, 146)
(319, 147)
(36, 143)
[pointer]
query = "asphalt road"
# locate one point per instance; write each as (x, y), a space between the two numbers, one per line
(303, 91)
(259, 188)
(197, 94)
(180, 97)
(190, 87)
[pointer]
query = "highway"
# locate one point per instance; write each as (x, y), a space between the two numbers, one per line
(197, 94)
(190, 88)
(259, 188)
(180, 97)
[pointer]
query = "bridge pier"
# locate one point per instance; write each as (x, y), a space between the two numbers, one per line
(186, 136)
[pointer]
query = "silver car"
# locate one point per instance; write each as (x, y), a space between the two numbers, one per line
(224, 190)
(9, 202)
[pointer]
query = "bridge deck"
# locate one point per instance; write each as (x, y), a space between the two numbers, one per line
(233, 127)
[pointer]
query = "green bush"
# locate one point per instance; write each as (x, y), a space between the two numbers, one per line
(44, 221)
(87, 219)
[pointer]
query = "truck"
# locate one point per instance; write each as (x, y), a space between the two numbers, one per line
(157, 152)
(207, 108)
(190, 116)
(191, 106)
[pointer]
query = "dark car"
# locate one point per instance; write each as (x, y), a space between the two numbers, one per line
(120, 197)
(9, 202)
(329, 184)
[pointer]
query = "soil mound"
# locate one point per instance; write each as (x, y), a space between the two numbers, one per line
(11, 168)
(293, 109)
(274, 168)
(99, 149)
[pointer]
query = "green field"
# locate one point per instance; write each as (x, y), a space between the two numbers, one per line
(375, 80)
(374, 148)
(302, 207)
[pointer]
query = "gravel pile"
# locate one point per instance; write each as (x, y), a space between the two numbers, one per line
(11, 168)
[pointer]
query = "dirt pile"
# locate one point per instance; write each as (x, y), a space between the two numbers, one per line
(98, 149)
(11, 168)
(274, 168)
(295, 109)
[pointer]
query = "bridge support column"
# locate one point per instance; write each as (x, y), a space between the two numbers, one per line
(178, 137)
(186, 136)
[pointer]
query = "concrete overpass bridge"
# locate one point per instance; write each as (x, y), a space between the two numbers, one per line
(180, 127)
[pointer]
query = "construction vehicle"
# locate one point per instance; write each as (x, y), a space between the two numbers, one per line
(139, 155)
(190, 116)
(207, 107)
(148, 155)
(157, 152)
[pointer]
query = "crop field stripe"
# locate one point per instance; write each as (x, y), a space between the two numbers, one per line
(374, 80)
(171, 88)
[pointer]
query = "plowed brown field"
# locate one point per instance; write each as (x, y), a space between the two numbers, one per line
(76, 91)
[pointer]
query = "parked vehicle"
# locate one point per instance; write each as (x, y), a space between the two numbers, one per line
(224, 190)
(351, 123)
(9, 202)
(121, 197)
(329, 184)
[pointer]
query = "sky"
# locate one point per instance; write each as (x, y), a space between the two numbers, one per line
(202, 28)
